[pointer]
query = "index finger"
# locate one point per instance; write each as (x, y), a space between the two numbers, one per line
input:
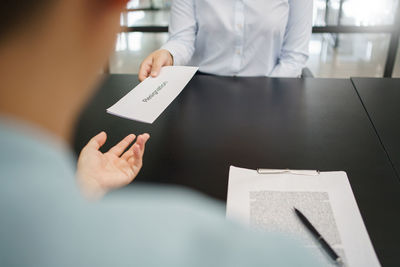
(122, 145)
(144, 72)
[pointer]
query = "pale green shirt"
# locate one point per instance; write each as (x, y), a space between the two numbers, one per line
(44, 221)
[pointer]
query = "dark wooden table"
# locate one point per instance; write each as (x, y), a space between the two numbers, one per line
(260, 122)
(381, 99)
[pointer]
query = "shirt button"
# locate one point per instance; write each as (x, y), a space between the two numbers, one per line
(239, 26)
(237, 52)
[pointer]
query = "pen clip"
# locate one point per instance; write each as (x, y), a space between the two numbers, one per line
(296, 172)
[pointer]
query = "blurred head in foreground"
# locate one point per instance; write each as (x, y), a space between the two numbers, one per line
(51, 54)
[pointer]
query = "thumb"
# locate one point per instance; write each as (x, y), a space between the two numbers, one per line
(158, 62)
(97, 141)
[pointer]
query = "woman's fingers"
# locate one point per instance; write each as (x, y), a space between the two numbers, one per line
(158, 62)
(161, 58)
(145, 68)
(154, 62)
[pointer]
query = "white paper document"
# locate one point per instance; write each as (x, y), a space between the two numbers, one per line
(152, 96)
(267, 200)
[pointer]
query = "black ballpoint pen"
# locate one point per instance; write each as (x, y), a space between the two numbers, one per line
(318, 236)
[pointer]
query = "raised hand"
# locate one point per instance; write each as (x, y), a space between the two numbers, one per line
(100, 172)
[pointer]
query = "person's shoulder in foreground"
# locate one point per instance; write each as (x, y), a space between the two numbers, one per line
(45, 221)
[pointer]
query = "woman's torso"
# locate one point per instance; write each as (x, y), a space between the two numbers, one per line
(239, 37)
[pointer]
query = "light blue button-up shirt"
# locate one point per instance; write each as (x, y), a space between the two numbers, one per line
(241, 37)
(45, 222)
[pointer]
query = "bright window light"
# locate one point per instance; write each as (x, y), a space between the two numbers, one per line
(369, 12)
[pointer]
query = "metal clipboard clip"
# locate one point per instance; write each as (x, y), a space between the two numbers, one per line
(296, 172)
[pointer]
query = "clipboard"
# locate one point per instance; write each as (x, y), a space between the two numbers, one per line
(267, 197)
(296, 172)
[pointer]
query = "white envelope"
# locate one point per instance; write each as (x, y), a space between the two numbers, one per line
(152, 96)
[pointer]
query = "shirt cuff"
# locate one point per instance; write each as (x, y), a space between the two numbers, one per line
(173, 49)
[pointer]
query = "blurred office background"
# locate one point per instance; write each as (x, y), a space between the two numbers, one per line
(351, 38)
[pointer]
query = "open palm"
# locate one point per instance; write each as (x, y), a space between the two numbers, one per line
(100, 172)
